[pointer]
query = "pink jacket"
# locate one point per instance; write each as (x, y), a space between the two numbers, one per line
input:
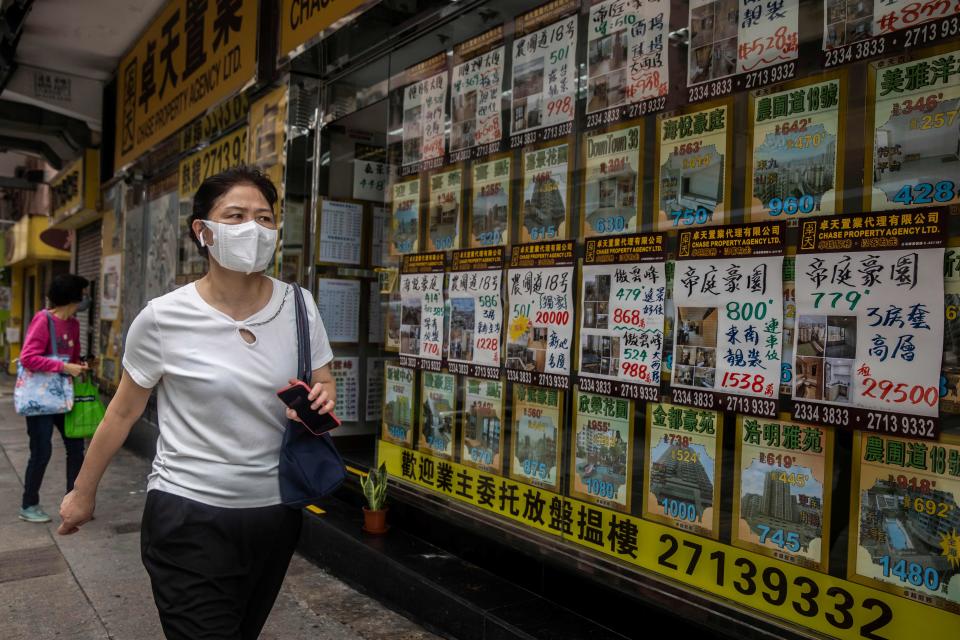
(36, 344)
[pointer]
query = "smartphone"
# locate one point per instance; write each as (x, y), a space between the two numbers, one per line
(296, 397)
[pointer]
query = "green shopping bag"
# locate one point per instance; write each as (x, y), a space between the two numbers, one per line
(87, 412)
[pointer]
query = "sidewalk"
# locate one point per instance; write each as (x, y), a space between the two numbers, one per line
(92, 586)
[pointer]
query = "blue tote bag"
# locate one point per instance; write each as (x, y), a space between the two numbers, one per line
(41, 393)
(310, 465)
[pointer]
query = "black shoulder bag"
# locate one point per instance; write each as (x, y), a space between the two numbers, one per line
(310, 466)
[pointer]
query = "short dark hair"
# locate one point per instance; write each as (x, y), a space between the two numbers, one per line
(217, 186)
(67, 288)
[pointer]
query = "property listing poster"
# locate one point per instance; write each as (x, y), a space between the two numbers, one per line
(373, 409)
(546, 192)
(612, 182)
(602, 462)
(425, 115)
(544, 71)
(438, 413)
(781, 497)
(692, 183)
(627, 61)
(729, 37)
(422, 310)
(475, 295)
(950, 375)
(870, 322)
(483, 424)
(405, 218)
(399, 402)
(476, 86)
(728, 295)
(849, 21)
(789, 324)
(492, 200)
(916, 133)
(796, 152)
(905, 518)
(537, 428)
(541, 305)
(445, 210)
(682, 471)
(346, 375)
(622, 306)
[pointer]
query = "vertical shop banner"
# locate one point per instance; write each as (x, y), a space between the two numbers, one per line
(438, 414)
(445, 210)
(492, 202)
(346, 375)
(627, 62)
(340, 310)
(693, 169)
(740, 44)
(379, 217)
(422, 310)
(544, 97)
(950, 373)
(405, 218)
(796, 151)
(682, 472)
(267, 141)
(110, 283)
(858, 29)
(425, 116)
(373, 402)
(870, 320)
(622, 296)
(476, 86)
(399, 401)
(475, 293)
(547, 192)
(905, 519)
(728, 337)
(540, 325)
(915, 131)
(789, 324)
(192, 56)
(602, 463)
(340, 231)
(782, 491)
(612, 182)
(483, 424)
(537, 428)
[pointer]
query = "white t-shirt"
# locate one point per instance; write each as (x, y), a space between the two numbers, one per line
(221, 423)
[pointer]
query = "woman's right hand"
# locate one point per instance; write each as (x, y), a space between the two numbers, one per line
(74, 369)
(76, 510)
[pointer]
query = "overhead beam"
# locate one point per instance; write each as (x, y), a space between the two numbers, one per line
(17, 183)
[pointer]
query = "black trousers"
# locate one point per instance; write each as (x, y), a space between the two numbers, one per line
(40, 429)
(215, 572)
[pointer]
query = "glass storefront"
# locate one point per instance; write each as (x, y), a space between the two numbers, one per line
(670, 283)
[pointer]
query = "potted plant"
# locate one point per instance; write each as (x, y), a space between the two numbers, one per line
(375, 490)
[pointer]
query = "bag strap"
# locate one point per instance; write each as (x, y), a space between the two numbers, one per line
(52, 330)
(304, 365)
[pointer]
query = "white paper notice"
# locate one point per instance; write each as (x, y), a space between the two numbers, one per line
(346, 374)
(370, 180)
(476, 311)
(375, 328)
(475, 93)
(339, 303)
(422, 310)
(424, 117)
(341, 226)
(373, 410)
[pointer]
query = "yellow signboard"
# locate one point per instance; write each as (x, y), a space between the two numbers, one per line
(75, 188)
(191, 57)
(803, 597)
(300, 20)
(222, 154)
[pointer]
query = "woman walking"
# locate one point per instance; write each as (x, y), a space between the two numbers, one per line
(215, 538)
(66, 298)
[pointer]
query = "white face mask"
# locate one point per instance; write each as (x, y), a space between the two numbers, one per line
(246, 247)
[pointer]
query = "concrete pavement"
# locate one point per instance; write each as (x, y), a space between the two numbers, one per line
(92, 586)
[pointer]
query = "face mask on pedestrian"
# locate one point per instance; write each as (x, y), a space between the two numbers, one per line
(247, 248)
(84, 304)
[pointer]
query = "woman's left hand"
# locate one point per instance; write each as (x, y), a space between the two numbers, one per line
(320, 401)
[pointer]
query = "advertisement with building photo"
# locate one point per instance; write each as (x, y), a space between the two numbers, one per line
(398, 405)
(849, 21)
(405, 218)
(602, 463)
(483, 424)
(544, 76)
(915, 158)
(612, 182)
(445, 210)
(492, 191)
(546, 192)
(537, 430)
(438, 415)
